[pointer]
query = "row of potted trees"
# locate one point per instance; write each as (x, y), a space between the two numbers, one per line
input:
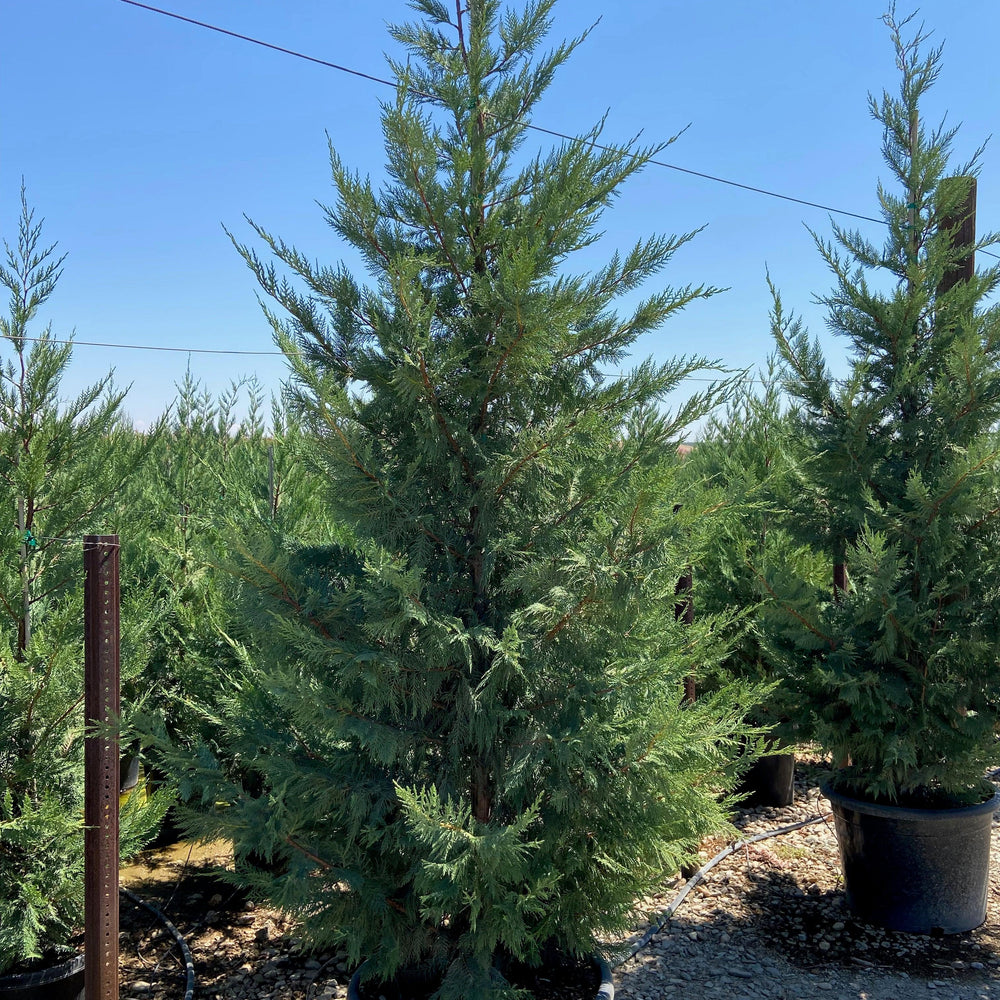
(451, 730)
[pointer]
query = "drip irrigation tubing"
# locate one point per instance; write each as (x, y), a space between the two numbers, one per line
(178, 937)
(664, 917)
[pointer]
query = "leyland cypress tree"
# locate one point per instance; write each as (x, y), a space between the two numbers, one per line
(460, 728)
(218, 460)
(903, 655)
(62, 466)
(752, 456)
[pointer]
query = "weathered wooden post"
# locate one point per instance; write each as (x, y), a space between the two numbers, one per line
(102, 703)
(839, 580)
(963, 221)
(272, 500)
(684, 611)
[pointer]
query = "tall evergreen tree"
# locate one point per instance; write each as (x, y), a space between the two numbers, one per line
(465, 716)
(904, 655)
(62, 465)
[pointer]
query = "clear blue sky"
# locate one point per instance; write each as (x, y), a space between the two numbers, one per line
(138, 137)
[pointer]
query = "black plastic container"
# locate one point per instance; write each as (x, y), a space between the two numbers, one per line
(925, 871)
(129, 773)
(605, 991)
(57, 982)
(770, 781)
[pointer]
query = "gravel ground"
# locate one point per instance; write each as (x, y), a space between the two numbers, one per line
(771, 922)
(768, 922)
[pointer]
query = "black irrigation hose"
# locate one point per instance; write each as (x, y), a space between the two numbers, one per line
(664, 917)
(178, 937)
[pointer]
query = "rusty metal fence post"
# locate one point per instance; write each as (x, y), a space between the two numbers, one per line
(102, 702)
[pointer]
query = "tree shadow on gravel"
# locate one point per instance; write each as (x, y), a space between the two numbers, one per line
(240, 950)
(811, 927)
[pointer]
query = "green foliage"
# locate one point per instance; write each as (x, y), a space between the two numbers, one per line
(903, 484)
(62, 465)
(210, 466)
(179, 503)
(750, 462)
(456, 726)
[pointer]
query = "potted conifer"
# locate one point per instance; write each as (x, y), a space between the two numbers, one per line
(62, 464)
(747, 458)
(466, 708)
(903, 650)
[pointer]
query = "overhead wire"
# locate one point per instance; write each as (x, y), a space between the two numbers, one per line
(418, 93)
(528, 125)
(280, 354)
(146, 347)
(266, 45)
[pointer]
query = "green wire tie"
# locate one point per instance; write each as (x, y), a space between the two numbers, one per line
(29, 539)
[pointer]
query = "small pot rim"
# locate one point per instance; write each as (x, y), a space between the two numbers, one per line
(40, 977)
(887, 811)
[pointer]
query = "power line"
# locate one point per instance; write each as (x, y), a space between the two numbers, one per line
(389, 83)
(190, 350)
(145, 347)
(266, 45)
(280, 354)
(528, 125)
(707, 177)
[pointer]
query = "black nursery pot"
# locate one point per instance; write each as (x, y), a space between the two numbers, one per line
(57, 982)
(769, 782)
(606, 990)
(129, 773)
(925, 871)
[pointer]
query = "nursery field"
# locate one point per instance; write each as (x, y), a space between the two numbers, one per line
(461, 645)
(768, 922)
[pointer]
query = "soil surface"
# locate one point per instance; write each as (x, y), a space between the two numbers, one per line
(770, 921)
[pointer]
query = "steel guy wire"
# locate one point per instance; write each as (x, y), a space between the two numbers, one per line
(280, 354)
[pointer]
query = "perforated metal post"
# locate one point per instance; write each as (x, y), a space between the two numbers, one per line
(102, 700)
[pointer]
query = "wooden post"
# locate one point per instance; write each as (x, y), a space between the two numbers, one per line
(24, 625)
(839, 580)
(102, 703)
(839, 590)
(684, 611)
(271, 499)
(912, 206)
(963, 220)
